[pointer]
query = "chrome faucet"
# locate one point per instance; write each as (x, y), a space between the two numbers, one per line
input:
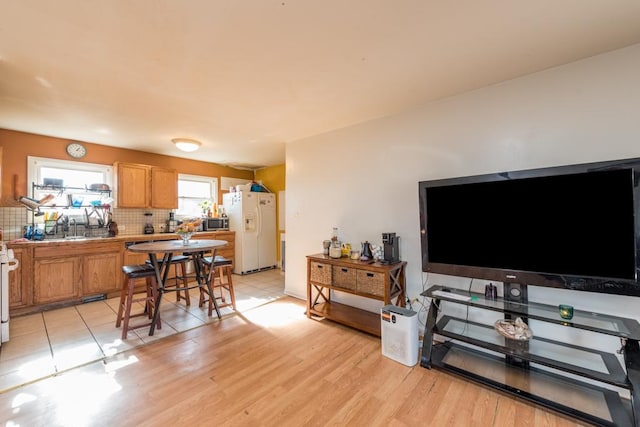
(75, 227)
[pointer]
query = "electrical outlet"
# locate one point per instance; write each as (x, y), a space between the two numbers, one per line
(414, 300)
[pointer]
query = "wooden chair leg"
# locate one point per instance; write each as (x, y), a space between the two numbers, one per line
(127, 309)
(152, 285)
(147, 297)
(148, 304)
(230, 286)
(185, 282)
(123, 297)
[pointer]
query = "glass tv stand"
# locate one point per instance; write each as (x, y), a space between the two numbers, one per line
(574, 380)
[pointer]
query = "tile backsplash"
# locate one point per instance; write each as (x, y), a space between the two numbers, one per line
(12, 221)
(130, 221)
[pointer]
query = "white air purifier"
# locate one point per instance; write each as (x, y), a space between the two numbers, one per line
(399, 328)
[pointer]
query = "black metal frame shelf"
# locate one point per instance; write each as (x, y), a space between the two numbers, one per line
(590, 321)
(534, 350)
(73, 189)
(70, 190)
(618, 410)
(539, 360)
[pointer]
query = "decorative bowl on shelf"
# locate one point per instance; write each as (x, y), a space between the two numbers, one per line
(513, 329)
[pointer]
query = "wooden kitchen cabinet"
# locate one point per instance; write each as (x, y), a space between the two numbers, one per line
(19, 293)
(56, 279)
(133, 258)
(70, 272)
(53, 274)
(227, 251)
(144, 186)
(102, 272)
(164, 188)
(132, 185)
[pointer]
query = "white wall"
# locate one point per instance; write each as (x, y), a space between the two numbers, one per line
(364, 179)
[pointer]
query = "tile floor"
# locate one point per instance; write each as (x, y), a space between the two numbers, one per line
(46, 343)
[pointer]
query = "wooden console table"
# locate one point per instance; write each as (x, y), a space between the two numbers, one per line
(382, 282)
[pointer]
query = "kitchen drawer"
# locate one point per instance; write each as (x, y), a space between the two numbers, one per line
(344, 277)
(370, 282)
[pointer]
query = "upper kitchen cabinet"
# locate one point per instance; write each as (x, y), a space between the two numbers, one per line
(132, 183)
(144, 186)
(164, 188)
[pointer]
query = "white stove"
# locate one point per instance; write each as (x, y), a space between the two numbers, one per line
(7, 264)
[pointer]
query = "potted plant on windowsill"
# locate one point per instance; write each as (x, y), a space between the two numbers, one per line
(205, 206)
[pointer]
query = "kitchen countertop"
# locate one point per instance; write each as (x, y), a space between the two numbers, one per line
(119, 238)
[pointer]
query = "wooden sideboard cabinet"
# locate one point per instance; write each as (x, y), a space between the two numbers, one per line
(386, 283)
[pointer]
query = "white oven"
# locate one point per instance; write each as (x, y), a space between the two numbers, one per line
(7, 264)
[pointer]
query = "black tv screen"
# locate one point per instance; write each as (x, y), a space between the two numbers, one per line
(570, 227)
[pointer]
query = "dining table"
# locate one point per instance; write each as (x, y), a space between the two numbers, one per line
(196, 250)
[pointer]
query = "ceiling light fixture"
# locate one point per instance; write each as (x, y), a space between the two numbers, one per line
(187, 145)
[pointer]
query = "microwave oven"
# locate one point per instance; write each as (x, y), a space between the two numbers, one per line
(209, 224)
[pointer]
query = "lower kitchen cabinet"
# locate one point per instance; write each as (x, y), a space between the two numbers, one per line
(227, 251)
(56, 279)
(101, 273)
(19, 293)
(55, 273)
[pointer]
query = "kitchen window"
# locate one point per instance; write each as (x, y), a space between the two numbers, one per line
(194, 192)
(64, 173)
(72, 174)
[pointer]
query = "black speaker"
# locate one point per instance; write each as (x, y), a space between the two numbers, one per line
(516, 298)
(515, 292)
(390, 244)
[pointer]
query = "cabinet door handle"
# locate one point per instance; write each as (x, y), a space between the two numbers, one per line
(319, 266)
(344, 270)
(369, 274)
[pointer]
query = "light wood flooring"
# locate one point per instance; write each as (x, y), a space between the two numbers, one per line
(268, 366)
(51, 342)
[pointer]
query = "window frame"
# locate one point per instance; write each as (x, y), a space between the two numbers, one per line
(35, 165)
(212, 180)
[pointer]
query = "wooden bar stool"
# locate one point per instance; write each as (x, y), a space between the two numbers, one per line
(221, 267)
(174, 281)
(128, 297)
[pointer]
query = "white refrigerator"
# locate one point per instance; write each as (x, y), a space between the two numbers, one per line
(252, 215)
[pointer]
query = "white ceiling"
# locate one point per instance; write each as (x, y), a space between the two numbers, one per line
(247, 76)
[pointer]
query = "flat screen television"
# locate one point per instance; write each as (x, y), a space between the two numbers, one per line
(571, 227)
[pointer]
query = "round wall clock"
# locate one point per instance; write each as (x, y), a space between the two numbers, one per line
(76, 150)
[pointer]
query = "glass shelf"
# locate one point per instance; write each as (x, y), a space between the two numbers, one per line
(599, 406)
(595, 322)
(590, 363)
